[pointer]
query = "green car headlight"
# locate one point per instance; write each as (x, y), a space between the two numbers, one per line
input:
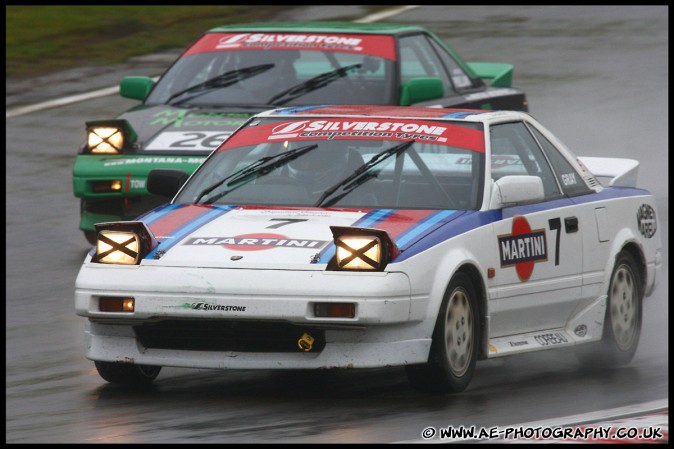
(109, 136)
(123, 243)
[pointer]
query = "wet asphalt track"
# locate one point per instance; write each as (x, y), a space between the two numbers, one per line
(597, 76)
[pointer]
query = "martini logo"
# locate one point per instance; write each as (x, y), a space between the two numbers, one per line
(523, 248)
(255, 242)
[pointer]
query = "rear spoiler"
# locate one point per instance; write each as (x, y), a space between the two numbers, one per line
(622, 172)
(500, 74)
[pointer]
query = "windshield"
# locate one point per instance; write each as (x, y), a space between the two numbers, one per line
(211, 73)
(268, 165)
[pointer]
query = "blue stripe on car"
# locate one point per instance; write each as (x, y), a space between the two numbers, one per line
(152, 216)
(290, 111)
(474, 219)
(188, 228)
(461, 114)
(423, 226)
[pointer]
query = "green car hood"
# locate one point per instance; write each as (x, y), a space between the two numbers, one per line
(162, 129)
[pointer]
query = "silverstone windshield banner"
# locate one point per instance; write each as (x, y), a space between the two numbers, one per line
(381, 46)
(441, 133)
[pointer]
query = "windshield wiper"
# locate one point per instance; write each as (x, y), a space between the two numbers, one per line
(360, 175)
(311, 84)
(258, 168)
(224, 80)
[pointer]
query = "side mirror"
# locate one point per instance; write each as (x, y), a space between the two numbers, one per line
(136, 87)
(420, 89)
(165, 181)
(514, 190)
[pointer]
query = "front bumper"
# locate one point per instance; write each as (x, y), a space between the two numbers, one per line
(242, 306)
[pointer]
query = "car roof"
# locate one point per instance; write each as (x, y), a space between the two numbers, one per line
(410, 112)
(321, 27)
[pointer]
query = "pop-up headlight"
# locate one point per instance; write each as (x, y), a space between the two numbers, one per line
(109, 136)
(123, 243)
(361, 249)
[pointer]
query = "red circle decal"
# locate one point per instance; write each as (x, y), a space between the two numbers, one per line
(524, 269)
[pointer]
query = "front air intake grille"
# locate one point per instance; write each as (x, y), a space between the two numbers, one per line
(223, 335)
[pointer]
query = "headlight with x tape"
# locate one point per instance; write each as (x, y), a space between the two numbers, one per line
(123, 243)
(109, 136)
(361, 249)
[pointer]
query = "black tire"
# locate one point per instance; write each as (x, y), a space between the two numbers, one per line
(127, 374)
(622, 322)
(454, 349)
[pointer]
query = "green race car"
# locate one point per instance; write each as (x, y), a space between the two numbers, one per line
(233, 72)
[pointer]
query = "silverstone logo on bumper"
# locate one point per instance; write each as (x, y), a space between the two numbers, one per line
(208, 306)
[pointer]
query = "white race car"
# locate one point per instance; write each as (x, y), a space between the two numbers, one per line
(369, 236)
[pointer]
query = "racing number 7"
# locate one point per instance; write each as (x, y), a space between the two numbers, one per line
(287, 221)
(556, 225)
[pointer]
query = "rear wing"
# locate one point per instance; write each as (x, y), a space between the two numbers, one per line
(500, 74)
(621, 172)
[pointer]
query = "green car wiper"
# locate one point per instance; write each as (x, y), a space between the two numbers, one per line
(223, 80)
(360, 175)
(311, 84)
(258, 168)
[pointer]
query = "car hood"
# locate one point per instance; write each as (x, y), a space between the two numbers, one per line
(178, 130)
(275, 237)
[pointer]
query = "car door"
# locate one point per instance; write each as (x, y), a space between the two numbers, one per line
(538, 278)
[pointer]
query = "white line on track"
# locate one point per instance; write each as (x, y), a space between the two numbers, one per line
(115, 89)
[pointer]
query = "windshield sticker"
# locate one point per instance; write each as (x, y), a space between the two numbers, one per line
(369, 129)
(381, 46)
(188, 141)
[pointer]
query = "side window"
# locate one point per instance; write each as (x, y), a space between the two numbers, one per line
(419, 60)
(460, 79)
(572, 182)
(515, 152)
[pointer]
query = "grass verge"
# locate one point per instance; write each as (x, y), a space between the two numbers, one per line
(42, 38)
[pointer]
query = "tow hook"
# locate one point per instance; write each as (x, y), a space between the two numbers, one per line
(306, 342)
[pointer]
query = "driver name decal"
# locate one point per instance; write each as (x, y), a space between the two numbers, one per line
(523, 248)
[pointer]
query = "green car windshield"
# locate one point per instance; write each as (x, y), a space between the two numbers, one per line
(255, 76)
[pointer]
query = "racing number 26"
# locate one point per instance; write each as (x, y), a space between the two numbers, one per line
(199, 140)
